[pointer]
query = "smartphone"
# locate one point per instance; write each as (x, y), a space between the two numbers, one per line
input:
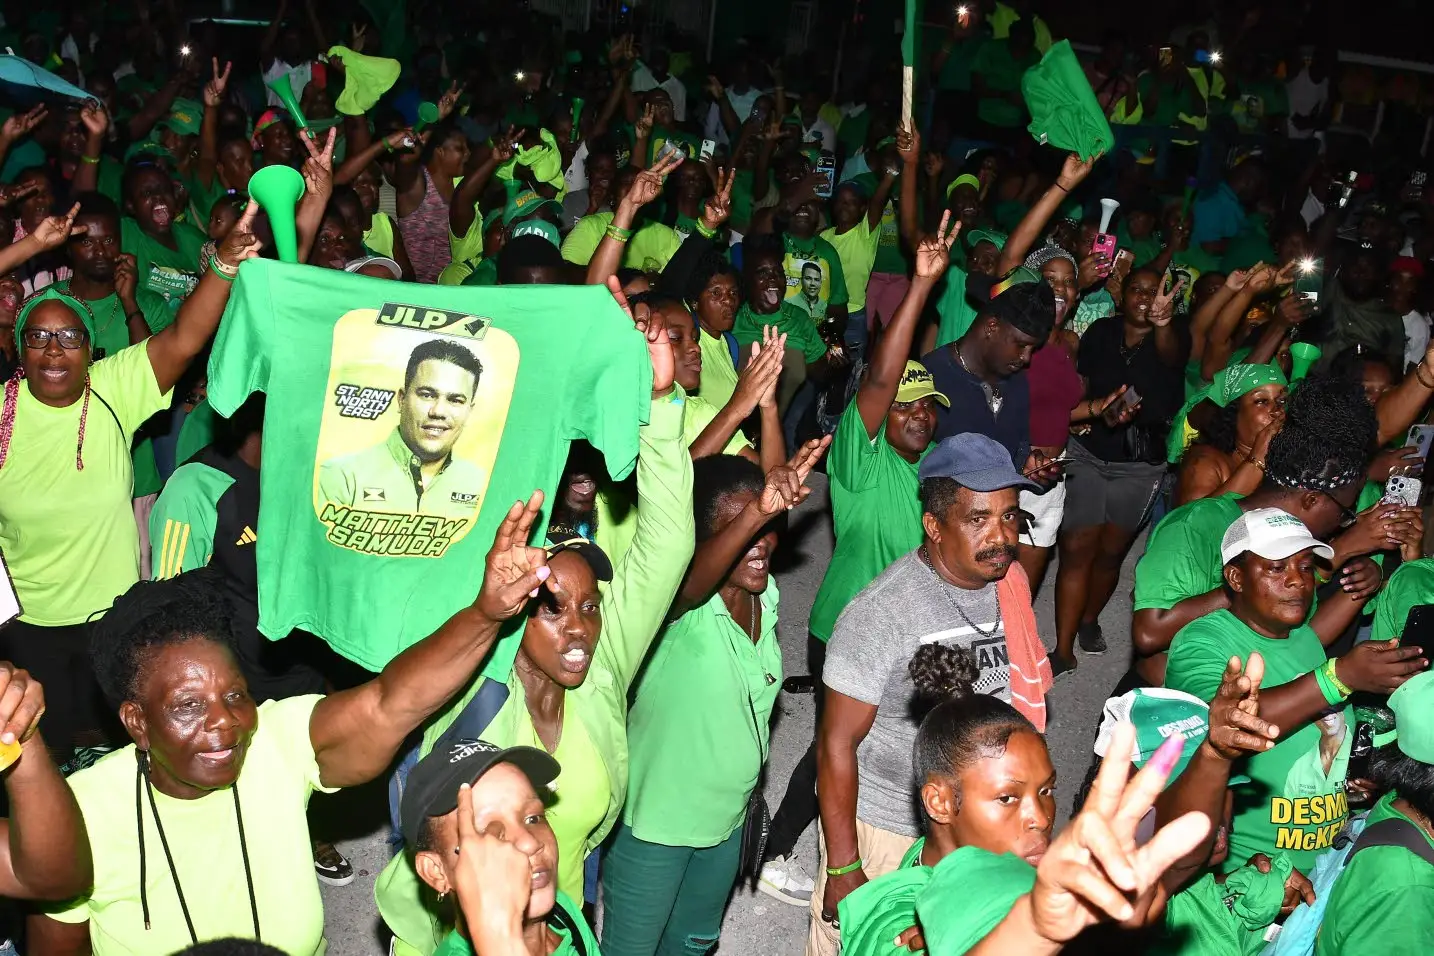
(826, 167)
(1104, 245)
(1309, 282)
(1421, 437)
(1167, 54)
(1127, 398)
(1124, 259)
(9, 600)
(1418, 626)
(1403, 490)
(709, 146)
(759, 112)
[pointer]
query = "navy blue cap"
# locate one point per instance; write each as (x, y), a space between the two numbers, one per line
(974, 461)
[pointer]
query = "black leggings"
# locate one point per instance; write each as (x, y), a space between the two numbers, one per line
(799, 804)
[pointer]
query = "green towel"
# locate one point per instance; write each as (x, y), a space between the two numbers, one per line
(1064, 111)
(1258, 897)
(366, 78)
(546, 162)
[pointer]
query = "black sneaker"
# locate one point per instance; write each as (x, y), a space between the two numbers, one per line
(1090, 638)
(331, 866)
(1060, 667)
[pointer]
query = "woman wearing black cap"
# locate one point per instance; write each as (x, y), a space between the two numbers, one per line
(197, 856)
(475, 815)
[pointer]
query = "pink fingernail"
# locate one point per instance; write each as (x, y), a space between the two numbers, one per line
(1166, 757)
(543, 572)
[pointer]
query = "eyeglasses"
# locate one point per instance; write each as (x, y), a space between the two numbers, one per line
(1347, 516)
(68, 338)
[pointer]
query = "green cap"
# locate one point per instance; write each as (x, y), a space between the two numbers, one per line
(526, 203)
(965, 179)
(184, 117)
(1413, 706)
(995, 238)
(1157, 713)
(537, 227)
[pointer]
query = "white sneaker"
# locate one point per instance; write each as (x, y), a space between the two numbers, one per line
(784, 879)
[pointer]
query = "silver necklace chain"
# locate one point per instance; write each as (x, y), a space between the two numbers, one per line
(944, 587)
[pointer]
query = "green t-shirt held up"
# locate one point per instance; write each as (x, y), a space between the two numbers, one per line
(1295, 801)
(710, 690)
(371, 574)
(875, 510)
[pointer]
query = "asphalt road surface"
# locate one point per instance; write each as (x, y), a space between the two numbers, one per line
(757, 925)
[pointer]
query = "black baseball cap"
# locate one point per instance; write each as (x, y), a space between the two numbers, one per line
(432, 787)
(596, 557)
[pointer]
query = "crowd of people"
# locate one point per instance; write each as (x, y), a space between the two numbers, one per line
(303, 486)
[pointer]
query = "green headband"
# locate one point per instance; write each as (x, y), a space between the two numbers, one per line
(1228, 385)
(51, 294)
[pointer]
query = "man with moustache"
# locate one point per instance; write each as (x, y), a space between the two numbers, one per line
(946, 591)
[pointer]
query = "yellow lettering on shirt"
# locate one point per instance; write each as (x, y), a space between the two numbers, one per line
(390, 535)
(1325, 812)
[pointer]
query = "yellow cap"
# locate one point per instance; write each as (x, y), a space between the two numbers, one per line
(916, 382)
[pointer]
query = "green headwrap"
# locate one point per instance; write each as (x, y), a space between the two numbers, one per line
(51, 294)
(1258, 897)
(1229, 384)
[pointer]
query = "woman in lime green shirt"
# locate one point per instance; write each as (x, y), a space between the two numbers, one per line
(970, 750)
(699, 726)
(456, 800)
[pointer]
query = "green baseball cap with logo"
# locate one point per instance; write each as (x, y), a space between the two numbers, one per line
(1157, 713)
(1413, 706)
(537, 227)
(527, 203)
(917, 382)
(184, 117)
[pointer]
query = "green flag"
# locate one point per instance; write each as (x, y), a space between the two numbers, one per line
(908, 34)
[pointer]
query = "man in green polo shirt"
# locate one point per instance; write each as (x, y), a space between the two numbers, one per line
(414, 470)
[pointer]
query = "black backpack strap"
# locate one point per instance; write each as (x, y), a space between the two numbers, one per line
(1395, 832)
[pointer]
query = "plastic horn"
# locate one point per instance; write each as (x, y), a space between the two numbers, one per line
(1302, 358)
(1107, 211)
(277, 189)
(577, 112)
(283, 88)
(427, 116)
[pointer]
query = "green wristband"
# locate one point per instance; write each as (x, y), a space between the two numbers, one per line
(1331, 695)
(851, 867)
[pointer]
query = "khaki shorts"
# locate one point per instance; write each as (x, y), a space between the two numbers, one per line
(881, 852)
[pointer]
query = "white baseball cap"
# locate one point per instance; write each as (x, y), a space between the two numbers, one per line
(1270, 533)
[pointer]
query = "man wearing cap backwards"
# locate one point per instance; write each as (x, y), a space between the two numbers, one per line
(1269, 560)
(881, 439)
(474, 814)
(961, 586)
(414, 469)
(1384, 897)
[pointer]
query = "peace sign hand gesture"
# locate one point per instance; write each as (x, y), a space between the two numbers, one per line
(719, 206)
(514, 571)
(214, 89)
(319, 167)
(449, 100)
(1162, 310)
(54, 230)
(648, 184)
(786, 484)
(933, 254)
(1094, 871)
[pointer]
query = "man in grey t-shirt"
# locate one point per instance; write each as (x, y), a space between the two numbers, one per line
(944, 591)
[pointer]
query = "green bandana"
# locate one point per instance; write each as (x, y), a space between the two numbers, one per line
(1256, 898)
(1228, 385)
(51, 294)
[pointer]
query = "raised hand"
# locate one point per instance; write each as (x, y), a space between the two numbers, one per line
(214, 89)
(54, 230)
(933, 254)
(653, 327)
(21, 124)
(503, 146)
(908, 145)
(319, 167)
(647, 186)
(758, 379)
(714, 88)
(1162, 310)
(13, 194)
(719, 206)
(1070, 893)
(786, 484)
(514, 571)
(1239, 278)
(358, 34)
(1074, 170)
(1236, 729)
(22, 701)
(96, 121)
(643, 128)
(449, 100)
(126, 279)
(241, 243)
(398, 139)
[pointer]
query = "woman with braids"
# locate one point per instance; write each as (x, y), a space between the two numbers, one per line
(1314, 471)
(67, 526)
(216, 842)
(1246, 408)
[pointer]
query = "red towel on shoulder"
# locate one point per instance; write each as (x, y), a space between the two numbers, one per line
(1031, 674)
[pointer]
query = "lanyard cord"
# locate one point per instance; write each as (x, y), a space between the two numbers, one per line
(142, 782)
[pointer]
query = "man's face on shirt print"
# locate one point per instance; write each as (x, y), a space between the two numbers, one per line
(812, 281)
(434, 406)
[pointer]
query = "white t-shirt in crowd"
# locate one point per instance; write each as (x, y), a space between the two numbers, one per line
(1306, 98)
(299, 77)
(643, 80)
(712, 127)
(1416, 337)
(576, 175)
(821, 131)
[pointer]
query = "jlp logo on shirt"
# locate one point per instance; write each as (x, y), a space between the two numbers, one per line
(418, 398)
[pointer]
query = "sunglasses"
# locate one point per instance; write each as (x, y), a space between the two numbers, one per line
(68, 338)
